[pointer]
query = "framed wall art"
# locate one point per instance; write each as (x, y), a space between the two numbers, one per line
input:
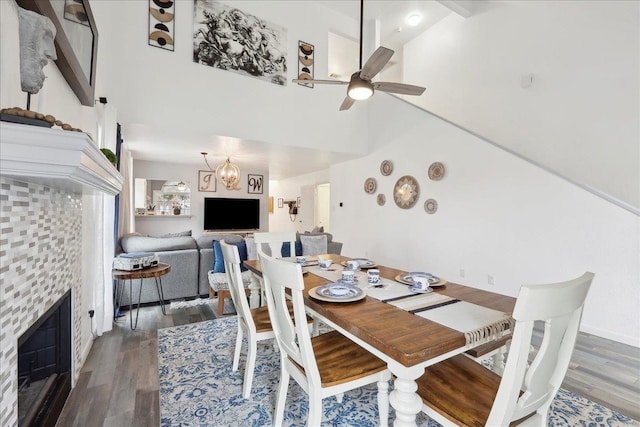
(207, 181)
(305, 62)
(255, 184)
(162, 23)
(227, 38)
(76, 43)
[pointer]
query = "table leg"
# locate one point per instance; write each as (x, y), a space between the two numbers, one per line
(160, 294)
(254, 286)
(404, 399)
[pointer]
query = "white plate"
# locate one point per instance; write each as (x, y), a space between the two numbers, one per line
(407, 280)
(420, 291)
(315, 295)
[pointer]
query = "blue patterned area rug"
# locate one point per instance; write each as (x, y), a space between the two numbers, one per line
(198, 388)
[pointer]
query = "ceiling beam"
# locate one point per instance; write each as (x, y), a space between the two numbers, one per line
(463, 8)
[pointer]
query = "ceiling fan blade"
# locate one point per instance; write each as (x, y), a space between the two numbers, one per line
(347, 103)
(400, 88)
(376, 63)
(320, 82)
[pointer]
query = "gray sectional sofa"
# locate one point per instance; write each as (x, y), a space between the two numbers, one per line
(190, 260)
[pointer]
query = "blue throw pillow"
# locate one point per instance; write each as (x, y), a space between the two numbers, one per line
(218, 259)
(286, 251)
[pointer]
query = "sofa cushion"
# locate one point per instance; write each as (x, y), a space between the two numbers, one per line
(285, 252)
(218, 261)
(206, 240)
(137, 243)
(317, 229)
(314, 245)
(182, 233)
(329, 235)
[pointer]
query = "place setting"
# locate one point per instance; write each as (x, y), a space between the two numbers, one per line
(359, 264)
(420, 281)
(344, 290)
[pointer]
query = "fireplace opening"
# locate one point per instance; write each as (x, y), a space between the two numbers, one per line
(44, 366)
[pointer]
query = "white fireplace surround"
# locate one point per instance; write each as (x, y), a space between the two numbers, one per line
(51, 187)
(56, 158)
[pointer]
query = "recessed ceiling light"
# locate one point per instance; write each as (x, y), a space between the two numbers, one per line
(414, 19)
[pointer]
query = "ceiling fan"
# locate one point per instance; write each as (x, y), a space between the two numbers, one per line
(360, 85)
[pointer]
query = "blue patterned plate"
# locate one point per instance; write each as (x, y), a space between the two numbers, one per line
(337, 292)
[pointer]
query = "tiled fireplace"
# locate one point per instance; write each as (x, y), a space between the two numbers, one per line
(41, 214)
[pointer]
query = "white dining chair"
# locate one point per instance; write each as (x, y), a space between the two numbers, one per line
(275, 241)
(254, 322)
(459, 391)
(325, 365)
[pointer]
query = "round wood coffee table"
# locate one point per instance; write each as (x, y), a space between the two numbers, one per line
(156, 272)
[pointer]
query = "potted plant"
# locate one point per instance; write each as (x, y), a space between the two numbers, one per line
(151, 209)
(110, 155)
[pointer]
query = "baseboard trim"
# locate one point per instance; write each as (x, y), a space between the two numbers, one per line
(624, 339)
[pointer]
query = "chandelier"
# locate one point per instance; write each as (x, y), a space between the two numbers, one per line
(227, 173)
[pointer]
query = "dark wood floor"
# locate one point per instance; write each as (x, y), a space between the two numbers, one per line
(118, 385)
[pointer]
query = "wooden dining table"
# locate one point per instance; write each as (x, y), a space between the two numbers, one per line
(406, 342)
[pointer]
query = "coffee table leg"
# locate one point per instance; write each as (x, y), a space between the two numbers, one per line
(160, 294)
(133, 327)
(118, 296)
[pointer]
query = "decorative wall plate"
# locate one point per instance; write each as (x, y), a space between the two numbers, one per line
(386, 167)
(436, 171)
(370, 186)
(406, 192)
(381, 199)
(430, 206)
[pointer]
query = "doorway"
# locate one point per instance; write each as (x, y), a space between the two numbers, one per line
(323, 203)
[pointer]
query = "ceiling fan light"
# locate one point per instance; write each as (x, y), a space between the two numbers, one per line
(359, 88)
(360, 93)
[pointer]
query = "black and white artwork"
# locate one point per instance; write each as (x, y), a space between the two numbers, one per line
(227, 38)
(255, 184)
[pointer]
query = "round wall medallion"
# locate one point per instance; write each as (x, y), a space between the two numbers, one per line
(370, 186)
(430, 206)
(381, 199)
(436, 171)
(406, 192)
(386, 167)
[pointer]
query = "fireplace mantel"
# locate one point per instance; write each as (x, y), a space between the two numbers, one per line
(56, 158)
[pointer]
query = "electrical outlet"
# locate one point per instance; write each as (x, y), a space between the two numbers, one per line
(490, 280)
(91, 313)
(462, 272)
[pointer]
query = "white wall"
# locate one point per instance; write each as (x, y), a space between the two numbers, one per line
(290, 189)
(581, 117)
(498, 215)
(168, 91)
(155, 225)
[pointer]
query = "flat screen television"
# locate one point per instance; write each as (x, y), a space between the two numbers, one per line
(231, 214)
